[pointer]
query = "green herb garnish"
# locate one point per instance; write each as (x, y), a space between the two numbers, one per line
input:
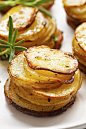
(78, 60)
(8, 48)
(30, 3)
(76, 57)
(0, 81)
(22, 23)
(74, 54)
(54, 38)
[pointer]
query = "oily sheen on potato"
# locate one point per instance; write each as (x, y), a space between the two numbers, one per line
(54, 74)
(43, 86)
(50, 59)
(33, 26)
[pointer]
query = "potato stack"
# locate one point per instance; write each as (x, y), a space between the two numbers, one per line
(47, 5)
(76, 12)
(33, 26)
(79, 45)
(43, 81)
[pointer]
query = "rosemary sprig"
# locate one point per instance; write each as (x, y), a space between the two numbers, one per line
(8, 48)
(30, 3)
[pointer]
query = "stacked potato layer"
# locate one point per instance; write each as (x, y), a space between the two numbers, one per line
(76, 10)
(79, 45)
(33, 26)
(43, 81)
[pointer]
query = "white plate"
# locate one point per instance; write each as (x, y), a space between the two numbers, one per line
(10, 118)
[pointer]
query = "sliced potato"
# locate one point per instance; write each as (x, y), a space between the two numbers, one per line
(75, 11)
(77, 48)
(23, 75)
(82, 67)
(79, 45)
(74, 2)
(35, 28)
(30, 89)
(23, 103)
(80, 35)
(23, 17)
(43, 99)
(40, 97)
(19, 77)
(44, 58)
(64, 90)
(47, 76)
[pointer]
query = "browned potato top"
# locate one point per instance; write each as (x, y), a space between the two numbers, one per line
(44, 58)
(80, 36)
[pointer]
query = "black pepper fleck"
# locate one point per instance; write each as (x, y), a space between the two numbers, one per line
(66, 66)
(71, 93)
(44, 23)
(7, 69)
(49, 100)
(16, 75)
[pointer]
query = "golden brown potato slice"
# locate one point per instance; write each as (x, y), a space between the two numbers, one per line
(79, 45)
(44, 58)
(33, 109)
(40, 32)
(30, 33)
(74, 2)
(75, 10)
(53, 99)
(77, 48)
(24, 17)
(61, 91)
(47, 76)
(80, 36)
(40, 97)
(21, 75)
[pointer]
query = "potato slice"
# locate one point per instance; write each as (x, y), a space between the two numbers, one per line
(23, 76)
(47, 77)
(74, 2)
(77, 48)
(58, 96)
(18, 74)
(80, 35)
(79, 45)
(64, 90)
(31, 33)
(36, 31)
(23, 104)
(41, 97)
(23, 17)
(44, 58)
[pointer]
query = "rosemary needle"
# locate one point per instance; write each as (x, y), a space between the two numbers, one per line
(8, 48)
